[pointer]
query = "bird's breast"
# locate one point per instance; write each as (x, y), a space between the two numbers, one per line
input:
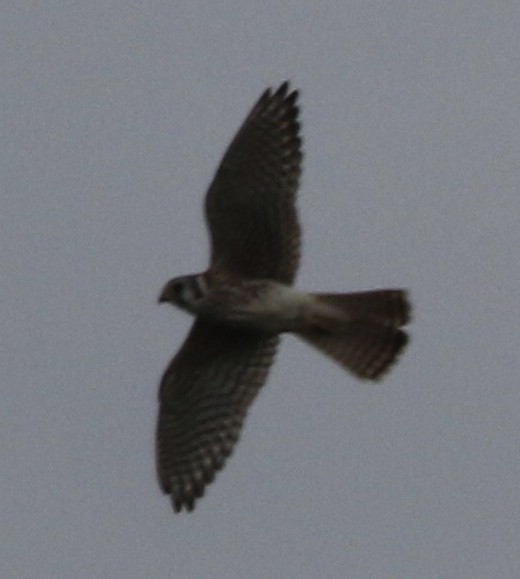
(267, 305)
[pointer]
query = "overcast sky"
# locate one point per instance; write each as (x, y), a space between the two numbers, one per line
(115, 114)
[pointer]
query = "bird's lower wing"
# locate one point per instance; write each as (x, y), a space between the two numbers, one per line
(204, 397)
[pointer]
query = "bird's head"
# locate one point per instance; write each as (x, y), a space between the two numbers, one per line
(186, 292)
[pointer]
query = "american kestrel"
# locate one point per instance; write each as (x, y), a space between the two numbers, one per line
(245, 300)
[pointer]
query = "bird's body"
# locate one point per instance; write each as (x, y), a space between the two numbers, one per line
(263, 305)
(245, 300)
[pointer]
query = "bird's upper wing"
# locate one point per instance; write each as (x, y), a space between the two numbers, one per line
(250, 205)
(204, 396)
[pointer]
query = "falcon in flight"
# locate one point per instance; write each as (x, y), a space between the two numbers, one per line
(245, 300)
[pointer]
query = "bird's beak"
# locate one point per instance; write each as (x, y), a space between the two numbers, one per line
(165, 295)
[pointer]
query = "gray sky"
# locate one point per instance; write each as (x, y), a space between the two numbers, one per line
(114, 116)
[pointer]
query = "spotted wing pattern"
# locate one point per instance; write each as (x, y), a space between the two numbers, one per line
(204, 397)
(250, 206)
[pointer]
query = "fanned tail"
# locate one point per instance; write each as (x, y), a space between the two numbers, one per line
(361, 331)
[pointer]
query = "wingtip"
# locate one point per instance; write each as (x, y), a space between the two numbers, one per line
(284, 90)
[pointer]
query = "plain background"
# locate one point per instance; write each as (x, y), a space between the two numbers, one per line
(114, 117)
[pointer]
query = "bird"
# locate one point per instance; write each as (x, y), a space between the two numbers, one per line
(246, 300)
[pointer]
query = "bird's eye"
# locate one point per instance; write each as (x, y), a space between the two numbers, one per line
(184, 292)
(181, 292)
(178, 289)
